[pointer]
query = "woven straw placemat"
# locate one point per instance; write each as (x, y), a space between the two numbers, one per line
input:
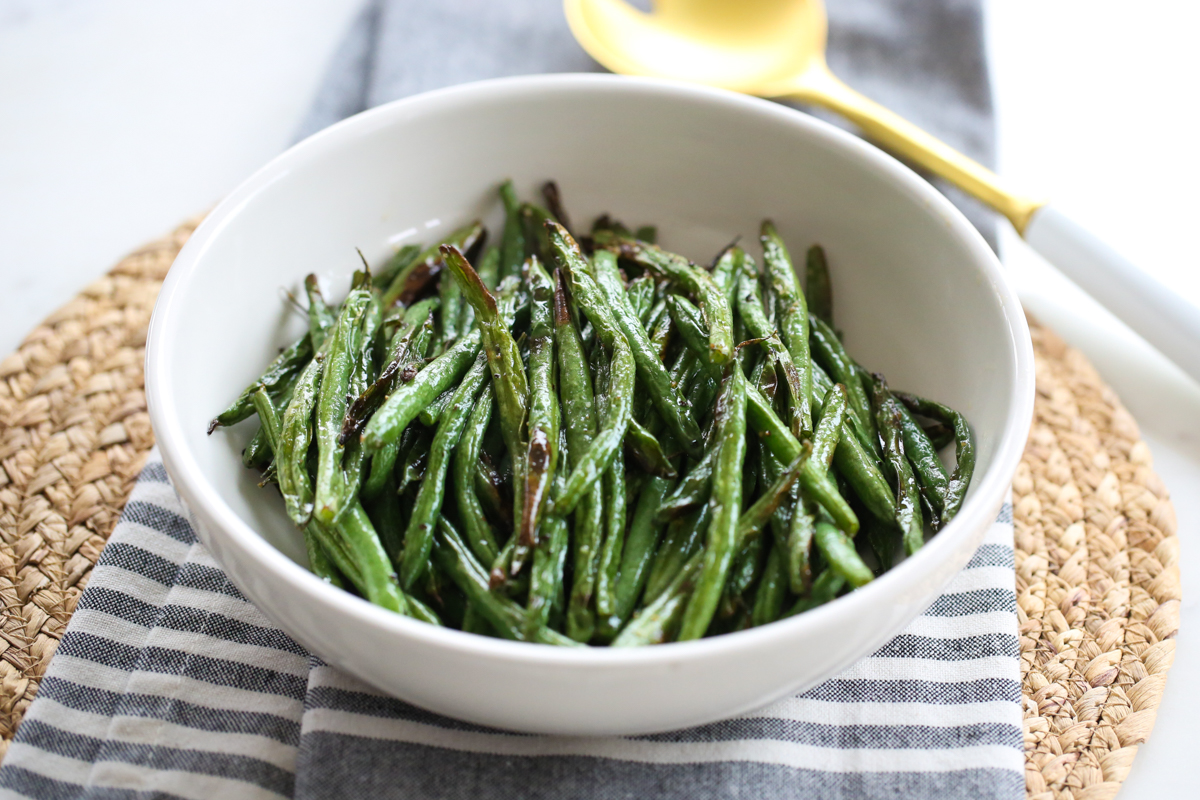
(1097, 558)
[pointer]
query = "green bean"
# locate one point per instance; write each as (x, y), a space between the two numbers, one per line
(399, 260)
(489, 273)
(332, 492)
(295, 437)
(692, 491)
(862, 464)
(655, 623)
(824, 589)
(286, 365)
(268, 416)
(793, 313)
(882, 538)
(450, 295)
(361, 373)
(827, 349)
(541, 455)
(939, 434)
(418, 610)
(838, 551)
(750, 308)
(647, 451)
(770, 470)
(509, 619)
(534, 218)
(725, 271)
(640, 544)
(405, 357)
(504, 361)
(713, 305)
(473, 622)
(257, 453)
(588, 537)
(488, 486)
(689, 323)
(908, 498)
(554, 204)
(549, 565)
(512, 242)
(801, 528)
(747, 568)
(410, 281)
(603, 300)
(684, 538)
(646, 233)
(579, 417)
(379, 582)
(578, 403)
(772, 590)
(703, 383)
(964, 467)
(271, 425)
(760, 511)
(319, 562)
(407, 400)
(606, 223)
(857, 466)
(332, 546)
(829, 426)
(615, 500)
(418, 537)
(817, 286)
(546, 588)
(433, 412)
(387, 514)
(604, 448)
(770, 504)
(320, 316)
(641, 298)
(727, 505)
(416, 456)
(658, 328)
(466, 458)
(813, 478)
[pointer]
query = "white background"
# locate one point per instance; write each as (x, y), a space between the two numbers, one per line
(120, 118)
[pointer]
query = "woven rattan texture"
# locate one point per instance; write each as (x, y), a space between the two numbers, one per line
(1097, 582)
(1097, 558)
(73, 435)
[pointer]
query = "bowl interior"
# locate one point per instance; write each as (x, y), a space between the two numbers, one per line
(916, 291)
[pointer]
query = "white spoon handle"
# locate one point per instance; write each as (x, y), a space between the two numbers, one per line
(1160, 315)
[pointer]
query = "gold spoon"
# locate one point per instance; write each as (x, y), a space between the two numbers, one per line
(776, 49)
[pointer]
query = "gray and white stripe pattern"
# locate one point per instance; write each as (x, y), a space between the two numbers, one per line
(168, 683)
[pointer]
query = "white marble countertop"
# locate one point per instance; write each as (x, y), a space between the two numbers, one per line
(119, 118)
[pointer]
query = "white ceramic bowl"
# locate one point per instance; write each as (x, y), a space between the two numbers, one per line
(917, 291)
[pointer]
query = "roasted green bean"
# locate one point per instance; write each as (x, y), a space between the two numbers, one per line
(721, 541)
(964, 467)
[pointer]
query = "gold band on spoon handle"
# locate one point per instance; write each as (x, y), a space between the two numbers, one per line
(818, 86)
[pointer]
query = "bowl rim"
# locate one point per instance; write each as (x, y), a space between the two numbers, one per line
(196, 491)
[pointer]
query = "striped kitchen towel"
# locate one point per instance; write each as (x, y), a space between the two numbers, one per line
(169, 684)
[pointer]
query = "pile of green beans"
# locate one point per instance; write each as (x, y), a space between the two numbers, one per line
(587, 439)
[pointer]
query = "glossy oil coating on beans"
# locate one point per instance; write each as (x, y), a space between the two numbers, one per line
(726, 503)
(792, 314)
(597, 441)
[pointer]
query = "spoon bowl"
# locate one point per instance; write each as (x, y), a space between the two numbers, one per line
(756, 46)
